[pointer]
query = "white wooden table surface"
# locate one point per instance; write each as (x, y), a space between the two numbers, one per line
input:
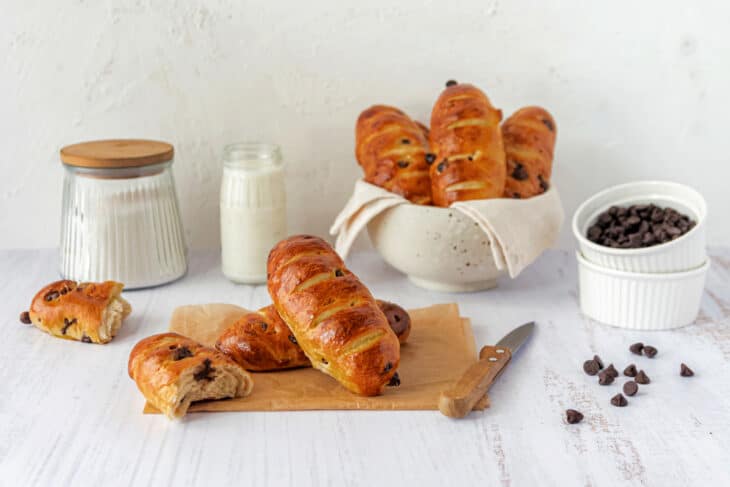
(70, 415)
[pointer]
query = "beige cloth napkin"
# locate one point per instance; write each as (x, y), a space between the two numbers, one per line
(519, 230)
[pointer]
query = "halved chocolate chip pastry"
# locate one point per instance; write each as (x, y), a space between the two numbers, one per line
(172, 371)
(89, 312)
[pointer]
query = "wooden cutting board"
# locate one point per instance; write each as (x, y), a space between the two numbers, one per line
(439, 349)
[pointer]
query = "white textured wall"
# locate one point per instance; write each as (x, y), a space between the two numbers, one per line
(639, 90)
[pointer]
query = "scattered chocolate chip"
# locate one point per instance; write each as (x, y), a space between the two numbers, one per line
(516, 195)
(631, 388)
(650, 351)
(293, 339)
(543, 184)
(264, 326)
(204, 373)
(637, 348)
(442, 165)
(324, 361)
(405, 141)
(619, 400)
(66, 324)
(548, 124)
(85, 339)
(685, 371)
(591, 367)
(430, 158)
(630, 371)
(51, 295)
(598, 361)
(181, 353)
(573, 416)
(519, 173)
(394, 381)
(402, 164)
(605, 378)
(339, 273)
(612, 371)
(642, 378)
(451, 82)
(388, 366)
(25, 318)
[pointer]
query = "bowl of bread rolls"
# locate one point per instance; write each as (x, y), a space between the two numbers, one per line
(467, 155)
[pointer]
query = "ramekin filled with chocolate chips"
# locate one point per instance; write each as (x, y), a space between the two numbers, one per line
(641, 255)
(646, 226)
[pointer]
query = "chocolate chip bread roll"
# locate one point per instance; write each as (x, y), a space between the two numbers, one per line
(529, 139)
(261, 341)
(332, 315)
(465, 136)
(172, 371)
(393, 151)
(89, 312)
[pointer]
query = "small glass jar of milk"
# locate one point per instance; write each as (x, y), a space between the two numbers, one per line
(253, 209)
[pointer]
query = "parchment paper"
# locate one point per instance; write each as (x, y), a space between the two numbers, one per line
(439, 349)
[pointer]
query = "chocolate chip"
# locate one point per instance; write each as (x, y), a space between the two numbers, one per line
(650, 351)
(543, 184)
(85, 339)
(548, 124)
(572, 416)
(594, 233)
(591, 367)
(402, 164)
(394, 381)
(451, 82)
(631, 388)
(264, 325)
(598, 361)
(324, 361)
(630, 371)
(293, 339)
(405, 141)
(66, 324)
(204, 373)
(181, 353)
(440, 168)
(430, 158)
(685, 371)
(605, 378)
(51, 295)
(519, 173)
(388, 366)
(516, 195)
(611, 370)
(25, 318)
(619, 400)
(339, 273)
(637, 348)
(642, 378)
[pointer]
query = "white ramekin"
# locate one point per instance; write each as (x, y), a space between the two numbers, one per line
(685, 253)
(640, 301)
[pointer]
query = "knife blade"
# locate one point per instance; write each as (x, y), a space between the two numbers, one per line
(457, 401)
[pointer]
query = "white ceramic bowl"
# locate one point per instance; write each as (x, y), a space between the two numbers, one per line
(438, 248)
(685, 253)
(640, 301)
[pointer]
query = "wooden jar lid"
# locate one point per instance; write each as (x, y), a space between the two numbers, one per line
(117, 153)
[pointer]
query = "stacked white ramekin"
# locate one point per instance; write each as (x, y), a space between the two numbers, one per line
(650, 288)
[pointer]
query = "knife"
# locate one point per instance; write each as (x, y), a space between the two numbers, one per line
(457, 401)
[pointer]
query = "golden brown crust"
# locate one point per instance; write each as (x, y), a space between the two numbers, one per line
(171, 371)
(465, 136)
(261, 341)
(529, 140)
(392, 148)
(332, 314)
(80, 311)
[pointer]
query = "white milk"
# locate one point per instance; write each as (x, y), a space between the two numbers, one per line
(252, 208)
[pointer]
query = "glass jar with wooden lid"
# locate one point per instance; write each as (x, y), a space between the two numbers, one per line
(120, 215)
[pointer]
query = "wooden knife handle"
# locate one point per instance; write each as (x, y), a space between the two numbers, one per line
(461, 398)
